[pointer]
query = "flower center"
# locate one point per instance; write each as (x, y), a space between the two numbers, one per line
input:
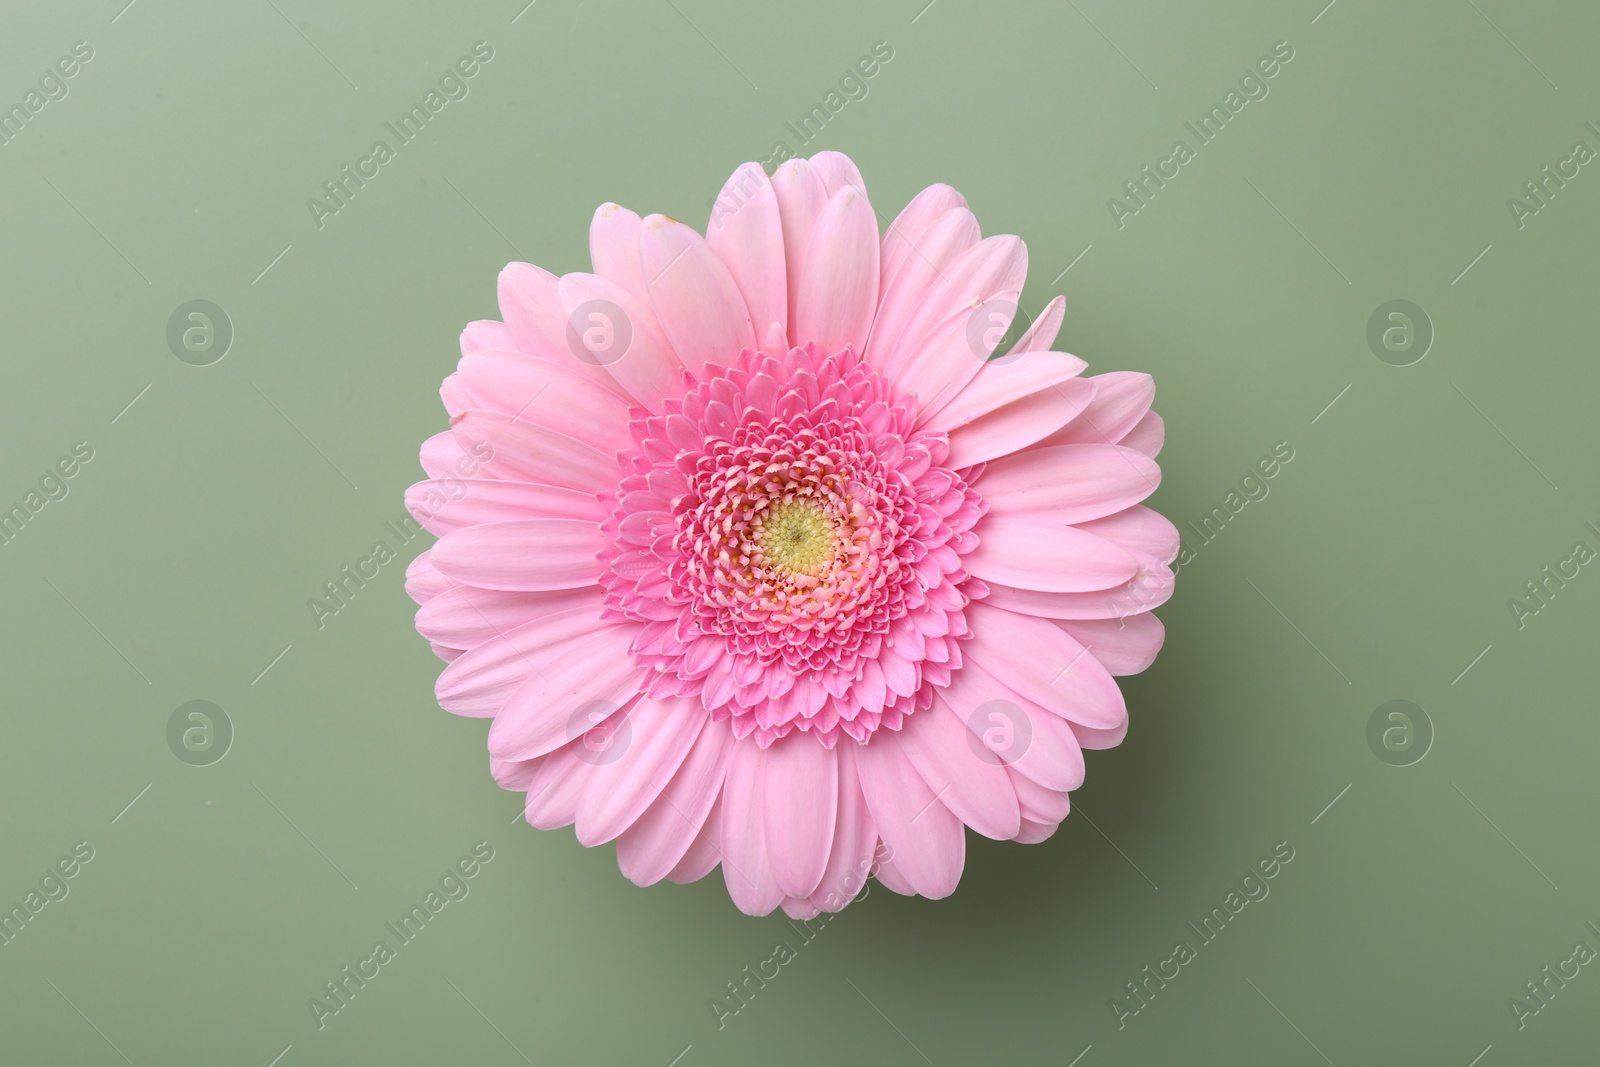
(791, 547)
(796, 537)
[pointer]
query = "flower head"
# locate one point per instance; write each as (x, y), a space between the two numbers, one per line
(758, 555)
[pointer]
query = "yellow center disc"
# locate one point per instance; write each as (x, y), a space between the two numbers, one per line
(797, 536)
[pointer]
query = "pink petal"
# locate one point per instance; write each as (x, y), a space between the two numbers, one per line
(837, 170)
(902, 242)
(705, 851)
(1003, 382)
(479, 682)
(528, 452)
(1068, 483)
(580, 683)
(1044, 664)
(513, 775)
(925, 262)
(839, 282)
(1040, 805)
(801, 197)
(854, 837)
(803, 910)
(967, 781)
(442, 457)
(659, 736)
(525, 555)
(617, 335)
(1052, 756)
(1093, 739)
(423, 580)
(942, 347)
(1042, 334)
(745, 866)
(614, 249)
(928, 842)
(554, 790)
(487, 333)
(890, 875)
(1030, 554)
(446, 504)
(466, 617)
(1120, 401)
(532, 312)
(1009, 730)
(747, 233)
(530, 302)
(801, 780)
(550, 393)
(649, 849)
(1019, 423)
(455, 395)
(701, 312)
(1147, 435)
(1032, 833)
(1142, 592)
(1126, 646)
(1141, 531)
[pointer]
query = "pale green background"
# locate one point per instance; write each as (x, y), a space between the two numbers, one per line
(1415, 507)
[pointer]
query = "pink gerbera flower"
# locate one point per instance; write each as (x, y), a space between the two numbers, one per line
(755, 556)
